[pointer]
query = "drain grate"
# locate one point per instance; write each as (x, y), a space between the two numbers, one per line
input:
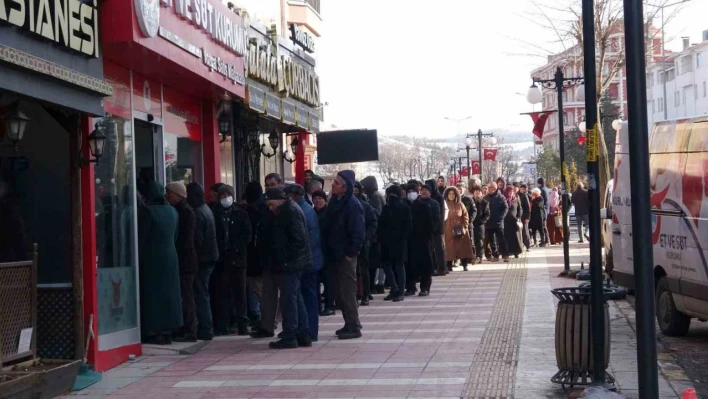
(494, 365)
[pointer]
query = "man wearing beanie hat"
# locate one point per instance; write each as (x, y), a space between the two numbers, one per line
(344, 236)
(233, 233)
(439, 239)
(187, 256)
(394, 228)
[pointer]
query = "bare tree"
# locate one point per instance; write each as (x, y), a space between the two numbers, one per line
(328, 170)
(508, 160)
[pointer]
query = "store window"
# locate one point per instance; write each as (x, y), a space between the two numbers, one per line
(116, 229)
(227, 162)
(183, 159)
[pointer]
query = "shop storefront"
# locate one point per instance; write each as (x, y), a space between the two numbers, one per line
(175, 72)
(51, 82)
(282, 103)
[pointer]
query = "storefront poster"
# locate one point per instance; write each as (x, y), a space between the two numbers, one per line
(117, 307)
(255, 97)
(272, 102)
(118, 77)
(302, 117)
(146, 96)
(182, 114)
(314, 121)
(289, 111)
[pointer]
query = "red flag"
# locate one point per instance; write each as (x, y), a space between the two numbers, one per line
(465, 172)
(490, 154)
(539, 122)
(476, 169)
(581, 140)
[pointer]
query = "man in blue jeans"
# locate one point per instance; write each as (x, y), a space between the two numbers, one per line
(290, 256)
(309, 283)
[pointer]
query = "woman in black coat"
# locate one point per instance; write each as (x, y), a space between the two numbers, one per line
(538, 215)
(394, 227)
(512, 232)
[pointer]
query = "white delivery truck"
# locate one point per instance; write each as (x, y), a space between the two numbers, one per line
(679, 200)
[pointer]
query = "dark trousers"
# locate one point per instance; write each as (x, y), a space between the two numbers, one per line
(525, 236)
(345, 279)
(478, 240)
(396, 276)
(309, 286)
(439, 249)
(583, 222)
(269, 301)
(327, 283)
(495, 236)
(239, 295)
(202, 301)
(228, 296)
(294, 313)
(545, 234)
(189, 310)
(364, 276)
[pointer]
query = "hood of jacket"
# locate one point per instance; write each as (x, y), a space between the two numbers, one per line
(458, 197)
(155, 193)
(370, 185)
(195, 195)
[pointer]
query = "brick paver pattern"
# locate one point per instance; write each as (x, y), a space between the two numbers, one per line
(494, 365)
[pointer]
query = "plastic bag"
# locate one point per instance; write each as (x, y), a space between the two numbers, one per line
(601, 393)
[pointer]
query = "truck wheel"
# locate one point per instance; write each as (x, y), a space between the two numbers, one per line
(672, 322)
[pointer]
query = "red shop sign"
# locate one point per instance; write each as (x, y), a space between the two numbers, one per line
(146, 96)
(119, 78)
(182, 114)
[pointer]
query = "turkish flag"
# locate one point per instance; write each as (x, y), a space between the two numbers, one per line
(465, 172)
(539, 122)
(490, 154)
(476, 169)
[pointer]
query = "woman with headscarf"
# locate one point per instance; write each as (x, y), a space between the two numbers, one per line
(538, 217)
(512, 220)
(160, 297)
(457, 238)
(555, 232)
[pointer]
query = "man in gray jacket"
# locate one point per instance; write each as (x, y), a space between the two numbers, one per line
(207, 254)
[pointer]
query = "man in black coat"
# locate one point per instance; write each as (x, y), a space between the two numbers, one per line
(371, 223)
(394, 228)
(343, 236)
(494, 227)
(428, 225)
(581, 201)
(176, 194)
(479, 221)
(439, 239)
(291, 256)
(255, 207)
(545, 194)
(469, 204)
(208, 254)
(525, 200)
(233, 233)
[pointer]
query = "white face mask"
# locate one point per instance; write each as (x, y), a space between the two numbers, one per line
(413, 196)
(227, 202)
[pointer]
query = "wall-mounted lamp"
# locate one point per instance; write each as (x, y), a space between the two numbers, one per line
(15, 125)
(224, 119)
(293, 148)
(96, 141)
(273, 139)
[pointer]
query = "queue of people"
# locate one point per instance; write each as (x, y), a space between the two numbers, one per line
(292, 253)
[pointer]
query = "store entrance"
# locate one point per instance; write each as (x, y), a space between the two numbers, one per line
(149, 161)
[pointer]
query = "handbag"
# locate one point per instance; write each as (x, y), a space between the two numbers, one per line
(558, 220)
(457, 230)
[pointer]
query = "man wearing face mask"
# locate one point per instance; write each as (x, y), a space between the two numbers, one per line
(421, 220)
(427, 224)
(233, 233)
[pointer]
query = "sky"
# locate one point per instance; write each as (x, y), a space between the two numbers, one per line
(403, 66)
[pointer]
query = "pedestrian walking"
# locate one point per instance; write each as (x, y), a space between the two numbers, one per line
(371, 222)
(160, 296)
(291, 257)
(344, 235)
(228, 295)
(494, 228)
(554, 221)
(545, 194)
(480, 220)
(581, 201)
(457, 238)
(207, 255)
(439, 238)
(254, 205)
(525, 201)
(512, 222)
(309, 281)
(537, 221)
(394, 227)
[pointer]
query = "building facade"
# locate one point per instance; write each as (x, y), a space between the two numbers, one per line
(677, 88)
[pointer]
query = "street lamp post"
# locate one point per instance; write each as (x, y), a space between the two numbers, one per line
(534, 96)
(468, 147)
(480, 135)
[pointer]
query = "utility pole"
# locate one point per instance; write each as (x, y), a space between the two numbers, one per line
(640, 191)
(480, 136)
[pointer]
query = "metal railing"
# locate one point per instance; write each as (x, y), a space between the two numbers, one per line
(315, 4)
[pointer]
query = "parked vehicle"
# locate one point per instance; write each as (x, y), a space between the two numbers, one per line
(679, 199)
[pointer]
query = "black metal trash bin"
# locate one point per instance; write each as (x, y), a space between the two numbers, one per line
(574, 336)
